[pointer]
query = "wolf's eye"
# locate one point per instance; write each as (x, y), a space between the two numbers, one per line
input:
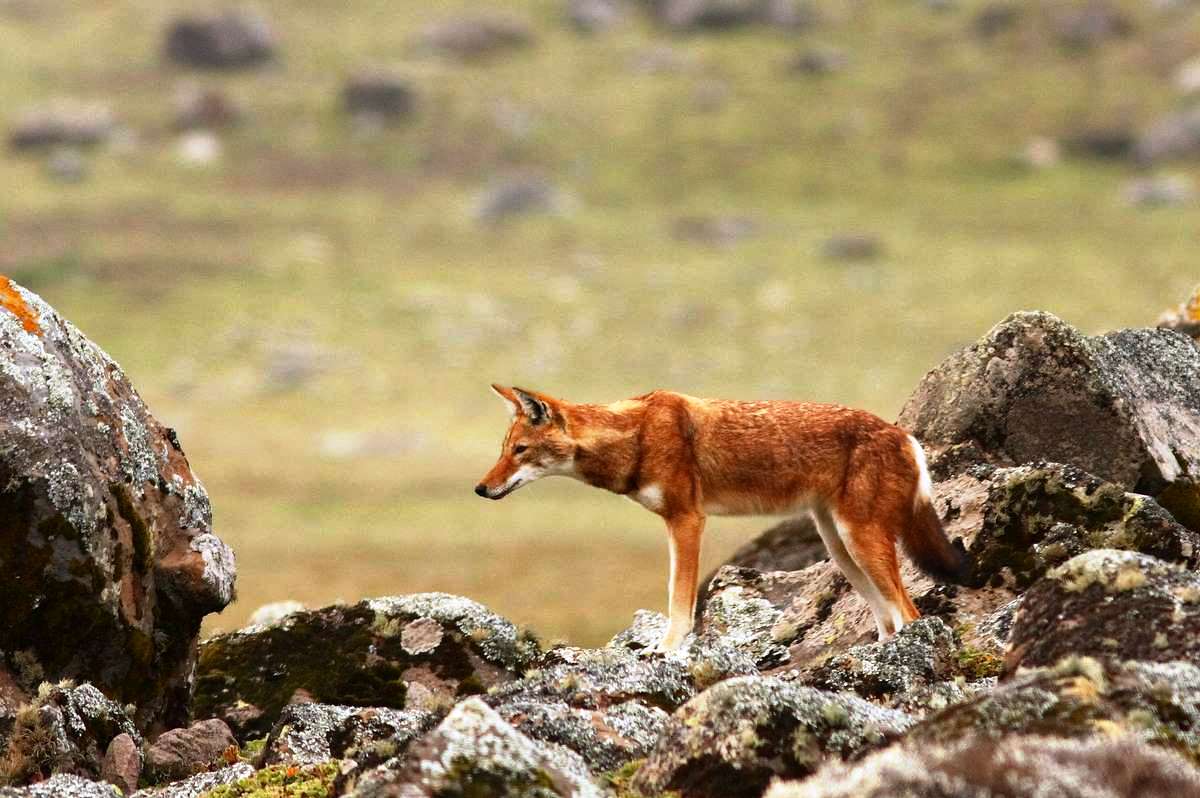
(520, 447)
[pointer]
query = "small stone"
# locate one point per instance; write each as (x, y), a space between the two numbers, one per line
(475, 37)
(122, 765)
(595, 16)
(223, 40)
(421, 636)
(63, 122)
(852, 246)
(180, 753)
(1159, 191)
(379, 93)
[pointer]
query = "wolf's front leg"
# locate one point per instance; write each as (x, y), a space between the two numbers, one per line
(685, 532)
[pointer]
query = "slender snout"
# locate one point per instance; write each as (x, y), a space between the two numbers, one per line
(481, 490)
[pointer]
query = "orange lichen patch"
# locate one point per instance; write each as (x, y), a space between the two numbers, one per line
(12, 301)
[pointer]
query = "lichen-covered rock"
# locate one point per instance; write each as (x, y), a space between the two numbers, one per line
(66, 729)
(1124, 406)
(1080, 697)
(606, 739)
(1109, 605)
(732, 739)
(474, 751)
(201, 784)
(180, 753)
(308, 734)
(973, 766)
(223, 40)
(62, 786)
(790, 545)
(922, 653)
(1020, 522)
(108, 562)
(420, 651)
(601, 678)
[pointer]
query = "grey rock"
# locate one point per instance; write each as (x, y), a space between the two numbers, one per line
(474, 746)
(62, 786)
(377, 665)
(379, 93)
(994, 18)
(1120, 768)
(1109, 604)
(67, 165)
(595, 16)
(105, 533)
(1109, 142)
(920, 655)
(1175, 135)
(819, 61)
(62, 122)
(732, 739)
(790, 545)
(223, 40)
(475, 37)
(1159, 191)
(196, 786)
(699, 15)
(714, 230)
(1090, 24)
(519, 196)
(852, 246)
(180, 753)
(606, 738)
(1124, 406)
(308, 734)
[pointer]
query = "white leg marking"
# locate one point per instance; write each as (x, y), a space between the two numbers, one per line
(831, 536)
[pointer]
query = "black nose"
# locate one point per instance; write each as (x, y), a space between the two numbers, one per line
(481, 489)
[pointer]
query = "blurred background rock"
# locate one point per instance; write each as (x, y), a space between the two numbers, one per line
(313, 232)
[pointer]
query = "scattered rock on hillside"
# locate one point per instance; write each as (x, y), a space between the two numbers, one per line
(378, 94)
(1124, 406)
(67, 165)
(1175, 135)
(226, 39)
(852, 246)
(595, 16)
(122, 763)
(66, 729)
(1109, 604)
(732, 739)
(63, 122)
(205, 108)
(819, 60)
(405, 652)
(698, 15)
(1115, 142)
(1159, 191)
(1185, 318)
(714, 230)
(1090, 24)
(183, 752)
(1158, 703)
(474, 746)
(111, 561)
(308, 734)
(994, 18)
(519, 196)
(1026, 765)
(474, 37)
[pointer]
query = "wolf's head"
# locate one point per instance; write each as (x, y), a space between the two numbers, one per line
(537, 443)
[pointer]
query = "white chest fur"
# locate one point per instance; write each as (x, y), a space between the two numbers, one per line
(649, 496)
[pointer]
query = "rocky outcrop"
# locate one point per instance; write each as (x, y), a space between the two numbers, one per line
(1026, 765)
(475, 749)
(1124, 406)
(1109, 605)
(65, 730)
(921, 654)
(733, 738)
(607, 739)
(108, 561)
(224, 40)
(420, 651)
(308, 734)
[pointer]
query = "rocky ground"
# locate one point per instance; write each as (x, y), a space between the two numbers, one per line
(1069, 666)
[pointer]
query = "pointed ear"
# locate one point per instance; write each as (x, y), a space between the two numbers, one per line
(510, 398)
(536, 408)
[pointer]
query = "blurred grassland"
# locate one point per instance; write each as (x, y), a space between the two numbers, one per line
(359, 259)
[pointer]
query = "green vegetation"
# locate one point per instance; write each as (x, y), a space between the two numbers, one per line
(282, 781)
(319, 314)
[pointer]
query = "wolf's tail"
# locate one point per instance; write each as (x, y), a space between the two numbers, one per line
(923, 536)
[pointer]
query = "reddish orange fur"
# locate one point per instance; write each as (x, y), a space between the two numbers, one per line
(744, 458)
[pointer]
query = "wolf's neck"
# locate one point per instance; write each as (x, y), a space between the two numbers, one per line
(607, 446)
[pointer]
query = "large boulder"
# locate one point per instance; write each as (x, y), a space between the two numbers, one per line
(1027, 765)
(1124, 406)
(475, 752)
(108, 561)
(418, 651)
(1110, 605)
(733, 738)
